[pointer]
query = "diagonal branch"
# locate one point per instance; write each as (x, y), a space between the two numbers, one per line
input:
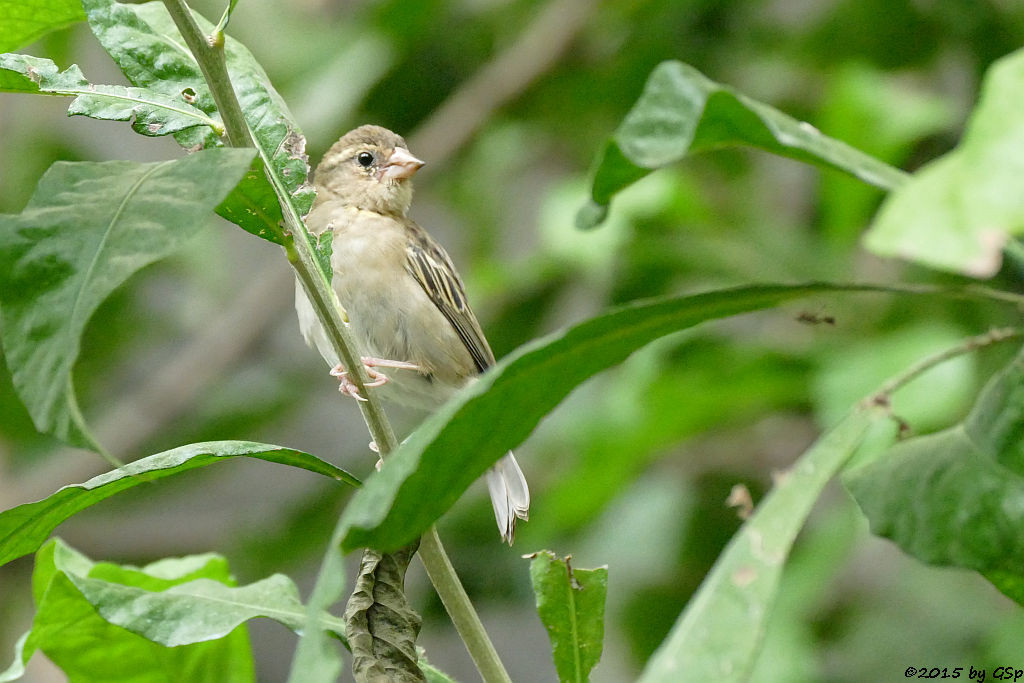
(210, 56)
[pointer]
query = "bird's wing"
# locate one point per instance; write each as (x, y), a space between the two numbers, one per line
(431, 266)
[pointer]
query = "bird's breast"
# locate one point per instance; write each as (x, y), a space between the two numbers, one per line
(390, 314)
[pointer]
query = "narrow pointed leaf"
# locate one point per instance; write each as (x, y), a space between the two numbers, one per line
(24, 528)
(87, 228)
(453, 447)
(958, 212)
(682, 112)
(719, 634)
(151, 113)
(24, 21)
(570, 603)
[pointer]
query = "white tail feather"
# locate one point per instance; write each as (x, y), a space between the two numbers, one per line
(510, 495)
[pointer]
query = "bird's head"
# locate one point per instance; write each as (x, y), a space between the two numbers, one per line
(368, 168)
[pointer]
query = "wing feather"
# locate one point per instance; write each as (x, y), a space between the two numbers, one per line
(432, 268)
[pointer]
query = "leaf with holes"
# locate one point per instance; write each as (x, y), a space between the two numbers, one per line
(151, 113)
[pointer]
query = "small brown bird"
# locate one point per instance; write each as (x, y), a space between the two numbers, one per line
(406, 303)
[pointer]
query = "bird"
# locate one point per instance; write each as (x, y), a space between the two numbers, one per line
(405, 302)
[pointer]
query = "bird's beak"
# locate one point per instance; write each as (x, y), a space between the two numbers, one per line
(401, 165)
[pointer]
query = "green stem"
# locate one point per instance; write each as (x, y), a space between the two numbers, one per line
(215, 69)
(883, 397)
(460, 609)
(210, 56)
(328, 310)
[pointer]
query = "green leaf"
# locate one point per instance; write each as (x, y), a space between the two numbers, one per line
(146, 45)
(69, 630)
(151, 113)
(431, 672)
(1010, 584)
(683, 112)
(197, 611)
(381, 626)
(453, 447)
(570, 603)
(25, 527)
(21, 656)
(316, 657)
(719, 634)
(253, 205)
(956, 497)
(958, 212)
(25, 21)
(996, 423)
(87, 228)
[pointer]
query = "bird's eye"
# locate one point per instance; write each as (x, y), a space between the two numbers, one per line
(365, 159)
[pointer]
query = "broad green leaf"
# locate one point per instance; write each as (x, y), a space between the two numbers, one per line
(945, 501)
(24, 528)
(380, 625)
(253, 205)
(24, 21)
(453, 447)
(570, 603)
(88, 227)
(956, 497)
(682, 112)
(150, 113)
(68, 629)
(146, 45)
(196, 611)
(958, 212)
(719, 634)
(996, 424)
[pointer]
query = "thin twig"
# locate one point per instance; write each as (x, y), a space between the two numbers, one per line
(883, 397)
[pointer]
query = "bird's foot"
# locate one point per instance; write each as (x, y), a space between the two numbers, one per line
(349, 388)
(345, 384)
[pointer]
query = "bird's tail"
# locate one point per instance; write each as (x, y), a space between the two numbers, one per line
(510, 495)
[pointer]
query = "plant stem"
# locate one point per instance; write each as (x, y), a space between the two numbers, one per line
(460, 609)
(210, 56)
(328, 310)
(215, 69)
(883, 397)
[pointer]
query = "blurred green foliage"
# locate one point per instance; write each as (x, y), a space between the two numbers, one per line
(633, 469)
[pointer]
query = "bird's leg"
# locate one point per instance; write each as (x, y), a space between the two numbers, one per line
(371, 362)
(349, 388)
